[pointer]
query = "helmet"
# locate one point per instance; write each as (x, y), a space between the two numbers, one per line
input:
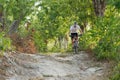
(75, 23)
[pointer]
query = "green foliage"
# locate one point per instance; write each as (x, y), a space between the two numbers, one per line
(18, 8)
(115, 3)
(40, 42)
(116, 73)
(5, 43)
(51, 20)
(107, 47)
(103, 37)
(56, 17)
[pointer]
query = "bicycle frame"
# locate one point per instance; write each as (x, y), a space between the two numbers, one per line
(75, 44)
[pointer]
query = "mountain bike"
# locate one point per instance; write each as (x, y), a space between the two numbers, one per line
(75, 44)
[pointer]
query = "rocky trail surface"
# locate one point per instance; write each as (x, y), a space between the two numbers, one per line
(20, 66)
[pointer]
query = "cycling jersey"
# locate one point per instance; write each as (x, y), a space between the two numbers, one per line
(74, 29)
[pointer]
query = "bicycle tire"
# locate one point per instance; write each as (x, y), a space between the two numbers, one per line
(76, 47)
(75, 50)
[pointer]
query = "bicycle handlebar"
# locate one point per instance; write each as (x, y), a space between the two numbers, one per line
(78, 35)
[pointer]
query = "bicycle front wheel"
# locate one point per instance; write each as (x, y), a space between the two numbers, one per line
(76, 49)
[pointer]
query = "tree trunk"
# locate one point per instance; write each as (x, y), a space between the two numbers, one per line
(1, 18)
(14, 27)
(99, 7)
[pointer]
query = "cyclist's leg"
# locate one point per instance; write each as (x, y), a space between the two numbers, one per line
(76, 38)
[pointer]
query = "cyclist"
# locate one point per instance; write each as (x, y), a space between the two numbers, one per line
(74, 30)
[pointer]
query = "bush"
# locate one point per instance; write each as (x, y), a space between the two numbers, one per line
(5, 43)
(116, 73)
(40, 42)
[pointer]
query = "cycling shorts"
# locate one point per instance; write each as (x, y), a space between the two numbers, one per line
(74, 35)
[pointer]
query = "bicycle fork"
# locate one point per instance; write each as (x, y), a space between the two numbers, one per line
(75, 46)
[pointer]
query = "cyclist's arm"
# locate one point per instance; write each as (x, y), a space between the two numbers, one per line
(70, 30)
(80, 30)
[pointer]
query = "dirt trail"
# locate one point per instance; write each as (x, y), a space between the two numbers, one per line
(80, 66)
